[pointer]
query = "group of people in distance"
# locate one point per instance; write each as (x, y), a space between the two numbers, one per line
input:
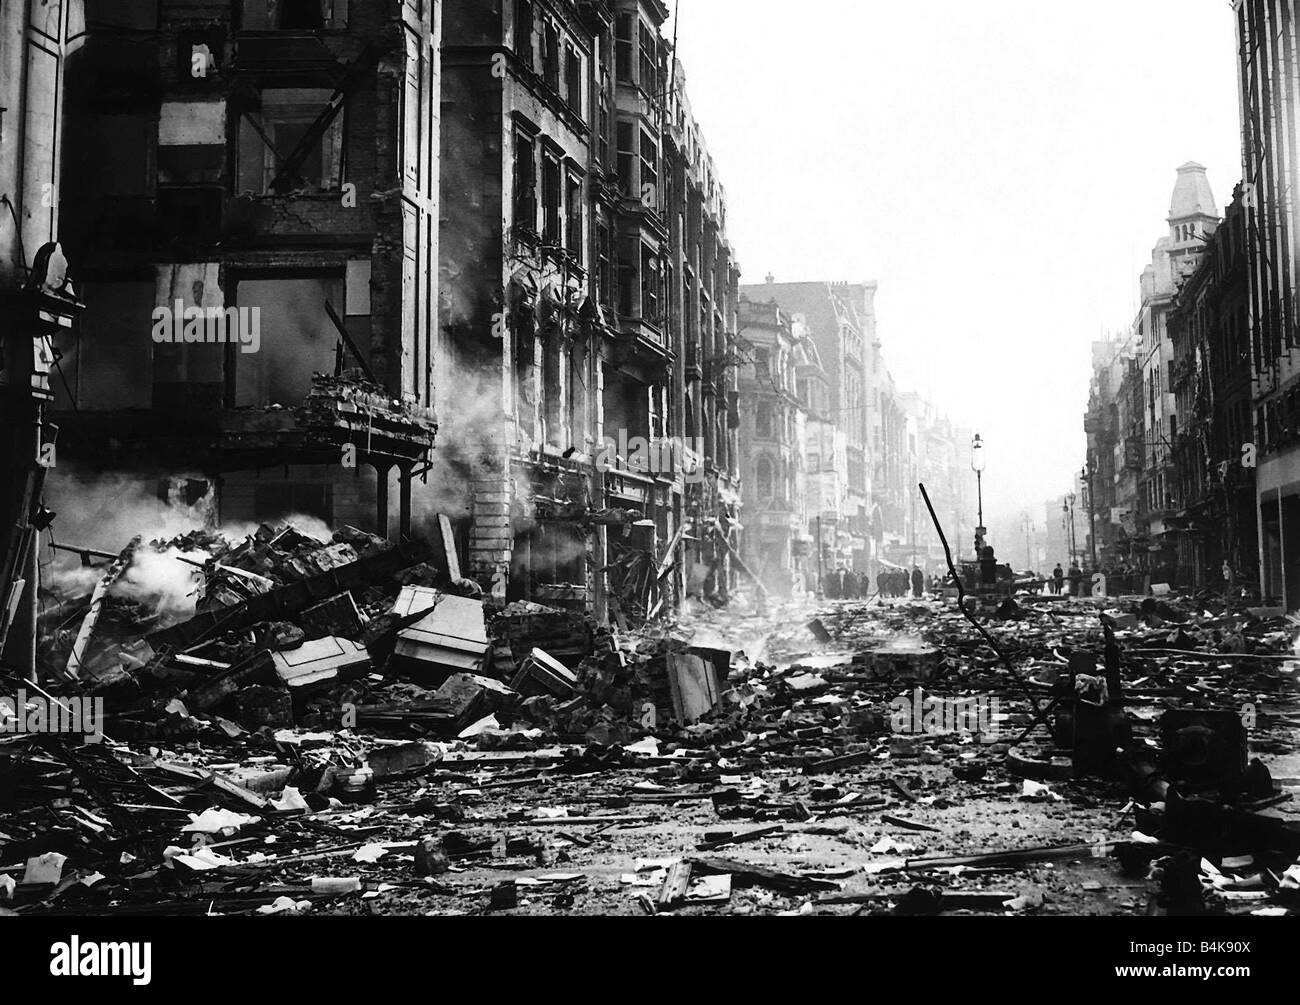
(845, 584)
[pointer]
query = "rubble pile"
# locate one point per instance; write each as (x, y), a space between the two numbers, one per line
(354, 731)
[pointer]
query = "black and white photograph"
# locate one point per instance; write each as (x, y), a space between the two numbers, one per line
(651, 459)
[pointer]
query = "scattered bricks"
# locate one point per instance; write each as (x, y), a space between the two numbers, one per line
(541, 672)
(398, 759)
(260, 705)
(906, 747)
(469, 697)
(279, 636)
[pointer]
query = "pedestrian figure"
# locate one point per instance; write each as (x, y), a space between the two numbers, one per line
(1076, 576)
(918, 583)
(1058, 578)
(850, 585)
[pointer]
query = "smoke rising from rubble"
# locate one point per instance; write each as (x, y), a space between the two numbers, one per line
(467, 429)
(105, 511)
(163, 582)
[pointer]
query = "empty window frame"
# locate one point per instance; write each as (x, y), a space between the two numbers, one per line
(551, 58)
(551, 200)
(270, 135)
(524, 47)
(623, 43)
(650, 285)
(573, 78)
(649, 68)
(573, 203)
(525, 183)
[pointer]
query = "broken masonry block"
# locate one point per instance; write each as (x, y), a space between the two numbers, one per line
(907, 658)
(469, 697)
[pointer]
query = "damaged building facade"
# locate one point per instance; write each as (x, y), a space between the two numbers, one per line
(250, 202)
(37, 306)
(588, 309)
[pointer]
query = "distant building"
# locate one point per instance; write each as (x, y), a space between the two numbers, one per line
(772, 427)
(840, 318)
(1209, 328)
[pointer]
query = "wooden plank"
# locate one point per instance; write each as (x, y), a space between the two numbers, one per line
(673, 891)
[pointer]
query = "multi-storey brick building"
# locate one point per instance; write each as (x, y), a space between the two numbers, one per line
(269, 171)
(585, 276)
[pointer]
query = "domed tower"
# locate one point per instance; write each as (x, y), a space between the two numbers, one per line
(1193, 214)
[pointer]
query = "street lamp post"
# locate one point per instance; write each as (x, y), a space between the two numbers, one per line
(977, 465)
(1068, 506)
(1088, 471)
(1028, 525)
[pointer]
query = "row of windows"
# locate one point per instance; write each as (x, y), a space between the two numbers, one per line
(632, 36)
(560, 207)
(561, 61)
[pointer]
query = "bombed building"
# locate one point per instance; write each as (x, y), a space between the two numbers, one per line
(587, 308)
(249, 202)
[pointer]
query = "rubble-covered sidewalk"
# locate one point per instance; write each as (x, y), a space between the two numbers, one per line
(349, 727)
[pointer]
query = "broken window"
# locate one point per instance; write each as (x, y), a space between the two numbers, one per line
(551, 59)
(525, 184)
(649, 59)
(627, 285)
(623, 47)
(524, 33)
(573, 78)
(604, 289)
(649, 170)
(602, 126)
(287, 127)
(294, 336)
(551, 201)
(294, 15)
(554, 379)
(627, 158)
(763, 478)
(650, 288)
(573, 206)
(763, 421)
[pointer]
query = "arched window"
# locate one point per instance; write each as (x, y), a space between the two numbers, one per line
(763, 420)
(763, 478)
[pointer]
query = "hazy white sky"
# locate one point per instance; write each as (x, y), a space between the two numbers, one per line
(1002, 169)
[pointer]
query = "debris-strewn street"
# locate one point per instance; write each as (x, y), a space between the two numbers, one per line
(341, 727)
